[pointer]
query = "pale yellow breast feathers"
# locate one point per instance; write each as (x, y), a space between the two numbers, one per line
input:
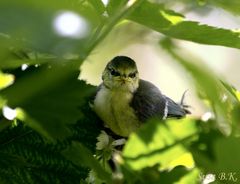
(112, 106)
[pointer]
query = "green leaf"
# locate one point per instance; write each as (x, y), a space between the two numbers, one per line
(231, 5)
(235, 111)
(223, 158)
(40, 33)
(227, 159)
(9, 160)
(191, 177)
(5, 80)
(80, 155)
(16, 58)
(160, 143)
(27, 158)
(231, 89)
(235, 114)
(152, 175)
(174, 175)
(16, 63)
(98, 5)
(49, 107)
(203, 147)
(215, 154)
(154, 16)
(114, 6)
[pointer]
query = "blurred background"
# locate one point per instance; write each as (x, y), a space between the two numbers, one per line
(156, 66)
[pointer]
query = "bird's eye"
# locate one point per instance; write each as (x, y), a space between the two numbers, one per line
(115, 73)
(132, 75)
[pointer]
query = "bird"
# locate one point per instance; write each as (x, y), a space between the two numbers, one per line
(124, 102)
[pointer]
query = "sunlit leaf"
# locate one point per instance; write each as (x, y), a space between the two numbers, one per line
(182, 128)
(155, 17)
(6, 80)
(153, 175)
(157, 143)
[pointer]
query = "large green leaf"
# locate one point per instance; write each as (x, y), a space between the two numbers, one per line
(5, 80)
(27, 158)
(156, 17)
(49, 106)
(37, 160)
(159, 143)
(219, 156)
(152, 175)
(31, 24)
(156, 152)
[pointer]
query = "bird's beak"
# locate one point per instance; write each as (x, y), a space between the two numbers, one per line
(124, 79)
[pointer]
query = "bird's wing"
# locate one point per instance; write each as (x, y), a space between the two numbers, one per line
(148, 102)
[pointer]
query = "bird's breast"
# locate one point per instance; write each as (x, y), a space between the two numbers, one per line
(112, 106)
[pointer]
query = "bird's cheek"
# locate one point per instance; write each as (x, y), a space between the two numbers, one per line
(108, 82)
(116, 84)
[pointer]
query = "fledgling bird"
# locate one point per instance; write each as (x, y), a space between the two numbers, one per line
(124, 101)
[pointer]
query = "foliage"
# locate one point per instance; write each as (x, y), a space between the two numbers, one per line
(52, 137)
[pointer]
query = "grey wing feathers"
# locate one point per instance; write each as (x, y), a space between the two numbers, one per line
(148, 101)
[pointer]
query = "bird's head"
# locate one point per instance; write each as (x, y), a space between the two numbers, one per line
(121, 74)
